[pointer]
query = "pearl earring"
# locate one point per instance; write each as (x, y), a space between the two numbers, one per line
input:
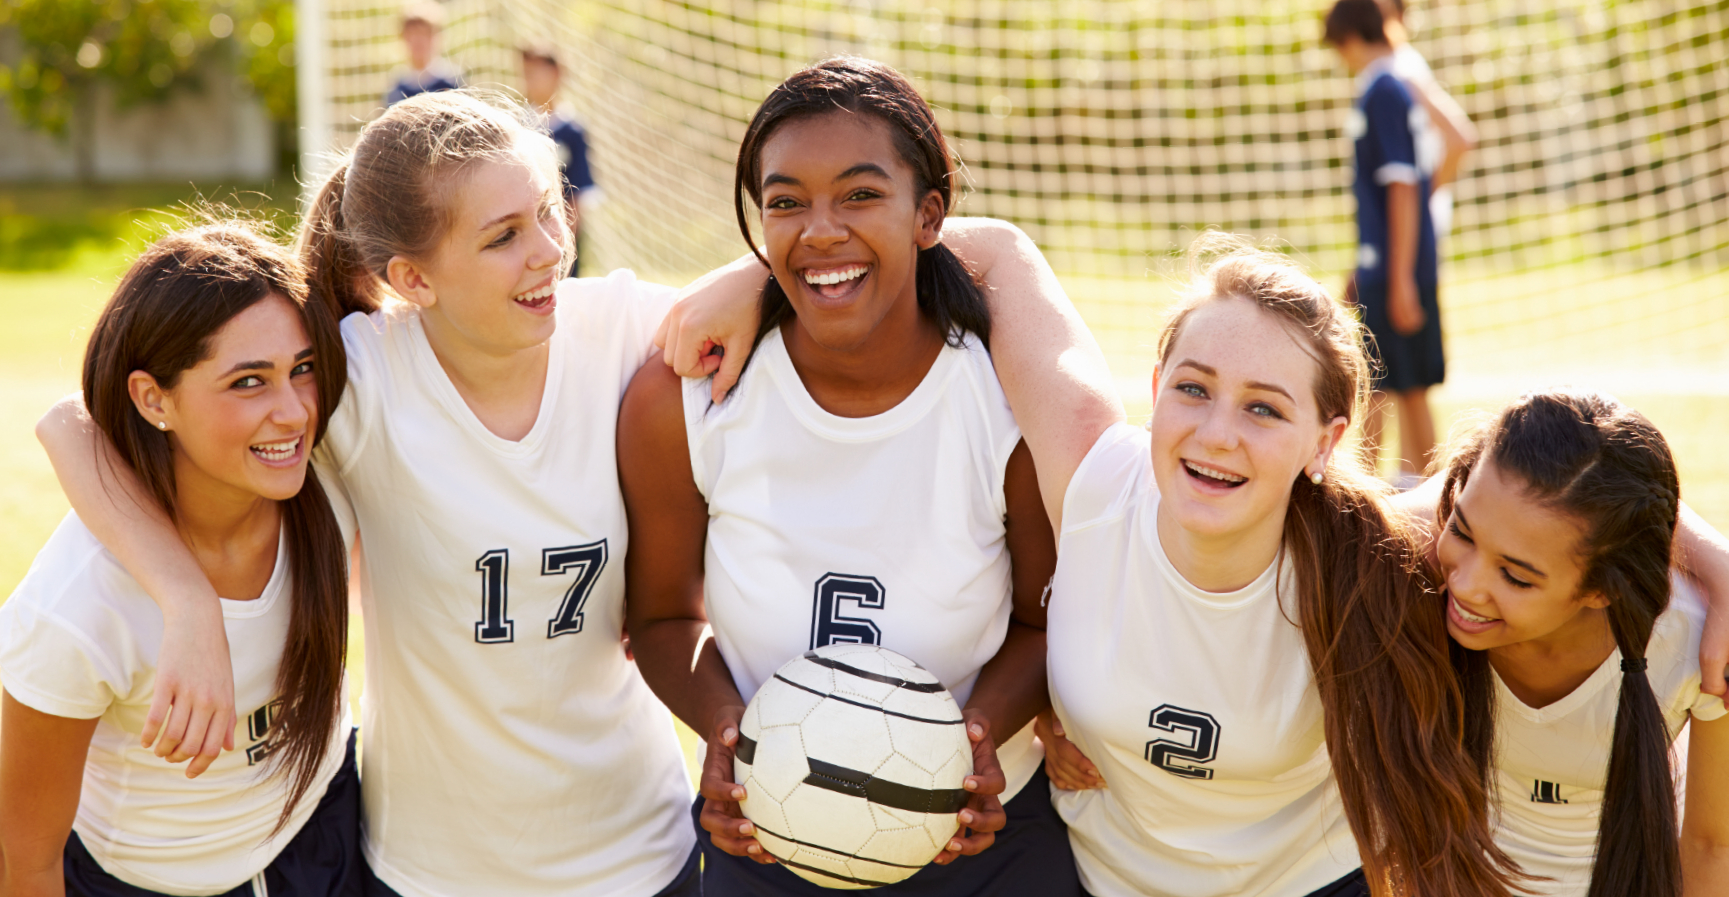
(161, 425)
(1316, 478)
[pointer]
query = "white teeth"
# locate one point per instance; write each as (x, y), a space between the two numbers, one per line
(277, 451)
(1467, 615)
(538, 294)
(831, 277)
(1219, 475)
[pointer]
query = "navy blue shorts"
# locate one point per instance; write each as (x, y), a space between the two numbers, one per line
(687, 884)
(1353, 885)
(1031, 856)
(320, 861)
(1402, 362)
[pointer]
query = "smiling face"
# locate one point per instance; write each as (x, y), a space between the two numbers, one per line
(1235, 422)
(843, 221)
(489, 283)
(241, 422)
(1511, 566)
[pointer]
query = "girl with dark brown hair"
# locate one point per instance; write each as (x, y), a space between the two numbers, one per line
(213, 376)
(1578, 649)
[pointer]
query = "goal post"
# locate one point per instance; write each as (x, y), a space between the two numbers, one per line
(1591, 221)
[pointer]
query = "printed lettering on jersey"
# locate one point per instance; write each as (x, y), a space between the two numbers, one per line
(583, 562)
(838, 594)
(257, 728)
(1546, 793)
(1189, 738)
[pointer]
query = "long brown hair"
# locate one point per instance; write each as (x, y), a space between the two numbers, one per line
(161, 320)
(947, 291)
(1376, 639)
(1589, 457)
(391, 196)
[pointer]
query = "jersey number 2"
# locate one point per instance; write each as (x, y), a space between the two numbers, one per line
(829, 626)
(585, 561)
(1190, 738)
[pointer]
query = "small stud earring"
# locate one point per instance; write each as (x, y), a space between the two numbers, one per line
(1316, 478)
(161, 425)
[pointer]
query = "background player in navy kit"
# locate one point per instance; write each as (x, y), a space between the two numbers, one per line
(1582, 649)
(540, 78)
(1395, 281)
(214, 376)
(905, 462)
(421, 23)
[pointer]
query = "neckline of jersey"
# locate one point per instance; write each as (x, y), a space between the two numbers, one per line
(1263, 585)
(773, 356)
(234, 609)
(444, 391)
(1670, 626)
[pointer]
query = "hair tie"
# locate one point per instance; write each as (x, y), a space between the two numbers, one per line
(1633, 664)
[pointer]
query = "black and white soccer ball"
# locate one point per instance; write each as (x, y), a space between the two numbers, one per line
(852, 759)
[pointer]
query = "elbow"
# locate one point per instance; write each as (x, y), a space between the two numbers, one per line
(1704, 854)
(66, 416)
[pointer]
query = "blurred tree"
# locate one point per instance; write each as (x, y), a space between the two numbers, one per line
(145, 50)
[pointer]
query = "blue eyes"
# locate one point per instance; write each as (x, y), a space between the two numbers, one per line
(1258, 409)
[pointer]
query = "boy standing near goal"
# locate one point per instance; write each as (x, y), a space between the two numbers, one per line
(541, 75)
(1395, 280)
(426, 71)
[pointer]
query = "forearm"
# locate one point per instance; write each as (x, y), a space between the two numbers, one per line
(123, 516)
(683, 667)
(32, 872)
(1403, 225)
(1010, 689)
(1458, 135)
(1702, 553)
(1704, 867)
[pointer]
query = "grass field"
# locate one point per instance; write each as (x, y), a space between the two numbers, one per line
(1686, 392)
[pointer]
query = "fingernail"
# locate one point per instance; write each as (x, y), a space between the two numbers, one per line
(738, 794)
(746, 830)
(727, 735)
(955, 846)
(753, 849)
(970, 783)
(977, 730)
(967, 817)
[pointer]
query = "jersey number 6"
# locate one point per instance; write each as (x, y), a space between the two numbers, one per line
(1191, 737)
(831, 627)
(586, 561)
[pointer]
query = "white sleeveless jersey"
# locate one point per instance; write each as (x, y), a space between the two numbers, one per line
(1552, 762)
(886, 530)
(509, 746)
(79, 638)
(1199, 709)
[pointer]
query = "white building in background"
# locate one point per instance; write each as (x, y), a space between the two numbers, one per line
(219, 132)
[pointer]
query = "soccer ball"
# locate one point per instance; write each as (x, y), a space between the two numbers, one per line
(852, 759)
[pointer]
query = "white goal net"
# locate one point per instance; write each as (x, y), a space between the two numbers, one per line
(1592, 222)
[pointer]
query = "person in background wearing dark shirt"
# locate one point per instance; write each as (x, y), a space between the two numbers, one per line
(426, 71)
(1396, 281)
(540, 76)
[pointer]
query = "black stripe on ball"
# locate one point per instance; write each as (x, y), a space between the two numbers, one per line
(745, 750)
(916, 719)
(825, 849)
(885, 793)
(929, 688)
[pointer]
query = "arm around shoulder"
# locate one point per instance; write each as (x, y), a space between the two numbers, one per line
(1051, 368)
(192, 715)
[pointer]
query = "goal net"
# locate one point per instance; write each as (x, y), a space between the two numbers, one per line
(1591, 226)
